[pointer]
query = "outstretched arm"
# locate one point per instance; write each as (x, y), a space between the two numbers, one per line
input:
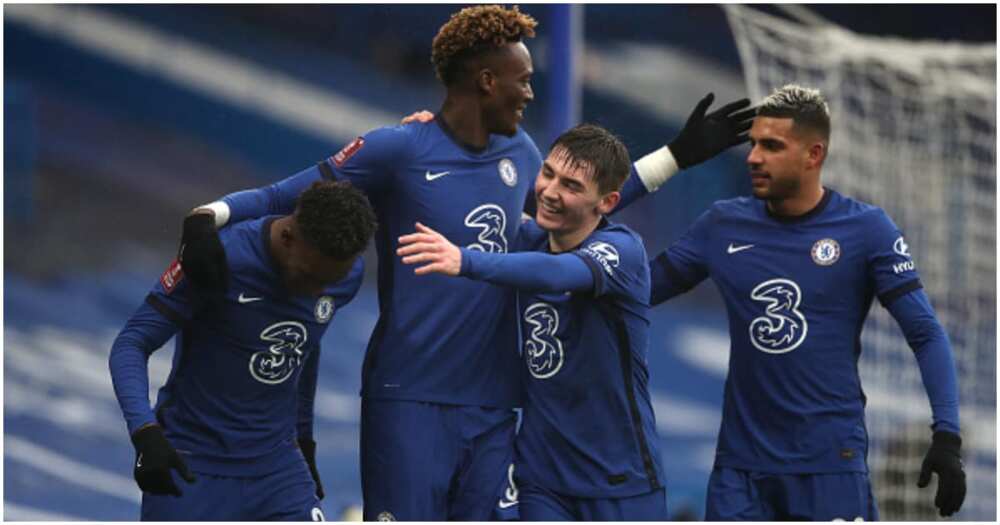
(932, 349)
(525, 270)
(369, 163)
(684, 264)
(703, 137)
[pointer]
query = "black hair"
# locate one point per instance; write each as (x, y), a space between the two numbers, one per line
(335, 218)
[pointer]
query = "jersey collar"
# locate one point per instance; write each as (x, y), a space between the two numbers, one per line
(451, 135)
(600, 226)
(792, 219)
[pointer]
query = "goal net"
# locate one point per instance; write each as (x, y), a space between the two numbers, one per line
(914, 132)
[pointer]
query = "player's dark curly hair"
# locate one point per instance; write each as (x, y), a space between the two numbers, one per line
(596, 149)
(335, 218)
(474, 31)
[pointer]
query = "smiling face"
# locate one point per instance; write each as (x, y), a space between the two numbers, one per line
(505, 85)
(568, 198)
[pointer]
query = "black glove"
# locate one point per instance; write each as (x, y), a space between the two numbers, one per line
(154, 459)
(705, 136)
(945, 458)
(201, 254)
(308, 447)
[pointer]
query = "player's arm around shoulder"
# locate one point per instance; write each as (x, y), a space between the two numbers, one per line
(370, 162)
(526, 270)
(684, 263)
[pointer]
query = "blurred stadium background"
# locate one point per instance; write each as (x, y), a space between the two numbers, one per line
(119, 118)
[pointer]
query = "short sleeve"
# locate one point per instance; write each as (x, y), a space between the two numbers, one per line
(891, 269)
(617, 260)
(369, 162)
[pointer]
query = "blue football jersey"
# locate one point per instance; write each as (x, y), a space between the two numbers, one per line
(588, 428)
(440, 339)
(797, 292)
(230, 402)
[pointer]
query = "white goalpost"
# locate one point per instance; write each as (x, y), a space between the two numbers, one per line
(914, 132)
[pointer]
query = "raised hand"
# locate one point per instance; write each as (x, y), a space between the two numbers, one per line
(705, 136)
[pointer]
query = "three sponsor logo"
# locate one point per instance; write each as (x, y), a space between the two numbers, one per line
(491, 221)
(543, 350)
(276, 364)
(782, 328)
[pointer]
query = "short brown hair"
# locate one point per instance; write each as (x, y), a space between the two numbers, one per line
(596, 149)
(474, 31)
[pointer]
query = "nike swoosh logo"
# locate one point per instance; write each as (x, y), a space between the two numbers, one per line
(506, 504)
(243, 300)
(138, 461)
(734, 249)
(432, 176)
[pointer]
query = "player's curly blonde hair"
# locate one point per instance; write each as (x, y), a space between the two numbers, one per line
(475, 30)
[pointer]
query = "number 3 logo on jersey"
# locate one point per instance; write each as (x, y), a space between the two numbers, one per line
(543, 351)
(782, 328)
(277, 363)
(491, 221)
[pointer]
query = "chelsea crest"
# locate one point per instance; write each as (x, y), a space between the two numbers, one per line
(825, 252)
(508, 173)
(324, 309)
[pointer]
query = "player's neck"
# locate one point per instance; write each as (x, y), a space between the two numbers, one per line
(277, 249)
(462, 117)
(564, 242)
(800, 204)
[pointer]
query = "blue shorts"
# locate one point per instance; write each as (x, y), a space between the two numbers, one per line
(286, 495)
(740, 495)
(535, 503)
(433, 462)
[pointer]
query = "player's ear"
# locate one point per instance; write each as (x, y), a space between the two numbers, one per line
(486, 81)
(608, 202)
(817, 154)
(287, 236)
